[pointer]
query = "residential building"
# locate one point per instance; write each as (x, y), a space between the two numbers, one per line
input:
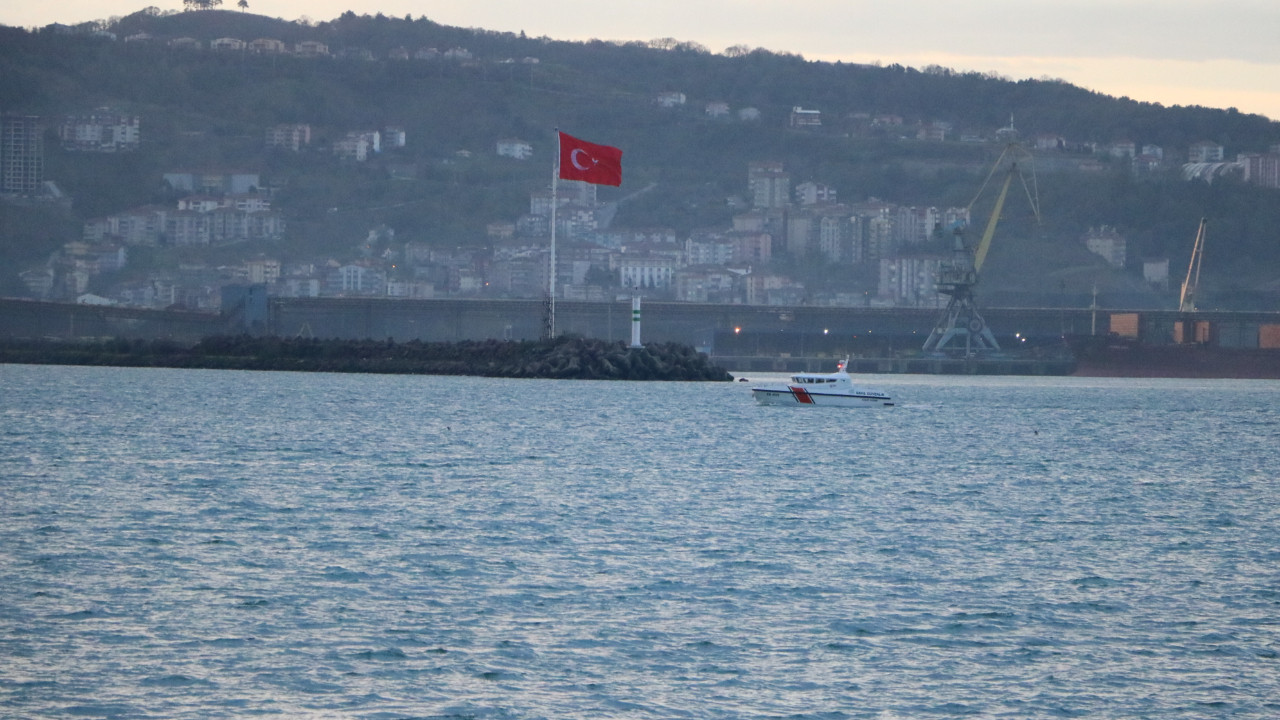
(802, 118)
(933, 132)
(262, 271)
(1261, 169)
(1205, 151)
(362, 278)
(234, 183)
(750, 247)
(873, 234)
(311, 48)
(762, 289)
(1049, 141)
(708, 248)
(768, 184)
(646, 271)
(411, 289)
(267, 46)
(292, 137)
(910, 280)
(836, 235)
(100, 131)
(228, 44)
(21, 154)
(352, 147)
(812, 193)
(393, 136)
(717, 109)
(705, 283)
(524, 276)
(670, 99)
(514, 148)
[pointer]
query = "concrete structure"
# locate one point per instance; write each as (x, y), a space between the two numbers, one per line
(21, 154)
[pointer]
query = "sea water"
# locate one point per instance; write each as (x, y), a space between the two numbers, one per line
(213, 544)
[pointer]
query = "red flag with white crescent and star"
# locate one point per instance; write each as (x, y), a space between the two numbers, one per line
(588, 162)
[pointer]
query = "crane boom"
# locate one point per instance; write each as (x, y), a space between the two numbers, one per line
(985, 244)
(1187, 301)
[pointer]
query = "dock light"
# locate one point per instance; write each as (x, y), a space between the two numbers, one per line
(825, 331)
(737, 330)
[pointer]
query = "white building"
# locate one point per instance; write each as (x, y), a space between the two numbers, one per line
(646, 272)
(670, 99)
(101, 131)
(514, 148)
(801, 117)
(1108, 243)
(289, 137)
(910, 280)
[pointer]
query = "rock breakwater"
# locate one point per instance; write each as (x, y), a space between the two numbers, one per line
(560, 358)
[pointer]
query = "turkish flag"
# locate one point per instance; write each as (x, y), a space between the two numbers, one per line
(588, 162)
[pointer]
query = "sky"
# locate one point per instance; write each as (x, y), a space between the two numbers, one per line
(1219, 54)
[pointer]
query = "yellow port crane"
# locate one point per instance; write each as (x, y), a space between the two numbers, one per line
(961, 327)
(1187, 301)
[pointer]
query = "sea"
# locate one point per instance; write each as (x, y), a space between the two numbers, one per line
(222, 544)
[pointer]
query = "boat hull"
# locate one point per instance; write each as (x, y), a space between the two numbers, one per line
(795, 395)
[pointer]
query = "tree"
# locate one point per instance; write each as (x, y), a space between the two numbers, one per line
(243, 5)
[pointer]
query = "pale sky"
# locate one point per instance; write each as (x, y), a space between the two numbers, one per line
(1224, 53)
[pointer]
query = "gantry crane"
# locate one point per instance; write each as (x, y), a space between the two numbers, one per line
(961, 327)
(1187, 301)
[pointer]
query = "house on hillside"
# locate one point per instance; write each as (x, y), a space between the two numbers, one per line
(289, 137)
(227, 44)
(670, 99)
(514, 148)
(1205, 151)
(267, 46)
(717, 109)
(311, 48)
(802, 118)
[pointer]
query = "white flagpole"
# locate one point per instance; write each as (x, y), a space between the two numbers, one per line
(555, 200)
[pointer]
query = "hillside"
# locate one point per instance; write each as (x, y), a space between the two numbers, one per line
(207, 111)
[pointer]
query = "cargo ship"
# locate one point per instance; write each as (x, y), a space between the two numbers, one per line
(1115, 356)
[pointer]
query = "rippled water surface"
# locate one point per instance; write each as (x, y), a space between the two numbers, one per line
(205, 544)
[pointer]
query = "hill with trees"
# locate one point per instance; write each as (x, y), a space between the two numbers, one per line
(204, 109)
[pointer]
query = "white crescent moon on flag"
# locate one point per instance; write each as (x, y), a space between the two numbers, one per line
(573, 158)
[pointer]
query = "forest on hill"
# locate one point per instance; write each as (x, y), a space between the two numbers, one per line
(682, 167)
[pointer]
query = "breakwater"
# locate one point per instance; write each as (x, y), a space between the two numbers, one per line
(561, 358)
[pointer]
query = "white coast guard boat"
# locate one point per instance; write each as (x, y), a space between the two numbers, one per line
(824, 389)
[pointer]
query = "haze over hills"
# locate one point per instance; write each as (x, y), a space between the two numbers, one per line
(919, 138)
